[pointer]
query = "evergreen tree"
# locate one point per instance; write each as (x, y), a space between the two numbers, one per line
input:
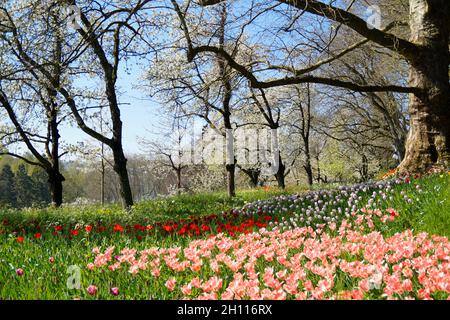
(41, 192)
(24, 187)
(8, 196)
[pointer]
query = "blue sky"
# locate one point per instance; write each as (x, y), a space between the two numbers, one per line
(139, 114)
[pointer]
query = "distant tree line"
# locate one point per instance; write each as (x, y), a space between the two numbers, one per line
(19, 189)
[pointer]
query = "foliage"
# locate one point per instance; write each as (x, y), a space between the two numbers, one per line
(20, 188)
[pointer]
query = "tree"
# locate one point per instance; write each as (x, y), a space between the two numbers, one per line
(427, 53)
(49, 161)
(24, 92)
(8, 195)
(23, 187)
(167, 150)
(205, 88)
(20, 95)
(271, 115)
(299, 118)
(384, 112)
(40, 190)
(106, 32)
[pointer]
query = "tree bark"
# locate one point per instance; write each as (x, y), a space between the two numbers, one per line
(280, 175)
(253, 174)
(55, 180)
(428, 141)
(305, 133)
(226, 107)
(231, 186)
(364, 172)
(102, 172)
(308, 166)
(309, 173)
(178, 170)
(120, 167)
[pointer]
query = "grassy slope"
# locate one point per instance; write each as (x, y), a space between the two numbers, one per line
(163, 209)
(429, 211)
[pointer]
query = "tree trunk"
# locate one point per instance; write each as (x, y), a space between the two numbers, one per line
(318, 169)
(55, 180)
(400, 150)
(231, 170)
(102, 172)
(364, 168)
(307, 166)
(428, 141)
(253, 174)
(280, 174)
(309, 173)
(178, 170)
(254, 177)
(120, 167)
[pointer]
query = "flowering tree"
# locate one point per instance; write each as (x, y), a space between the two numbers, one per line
(28, 101)
(168, 149)
(427, 53)
(207, 89)
(106, 31)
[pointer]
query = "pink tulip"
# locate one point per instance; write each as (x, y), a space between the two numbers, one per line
(171, 283)
(114, 291)
(92, 290)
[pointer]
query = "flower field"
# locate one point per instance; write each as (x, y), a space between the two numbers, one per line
(383, 240)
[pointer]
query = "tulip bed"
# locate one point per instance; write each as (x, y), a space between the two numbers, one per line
(382, 240)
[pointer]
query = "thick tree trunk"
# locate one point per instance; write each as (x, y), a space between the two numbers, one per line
(254, 178)
(253, 174)
(428, 141)
(399, 143)
(231, 185)
(102, 171)
(55, 180)
(309, 173)
(280, 174)
(318, 169)
(120, 167)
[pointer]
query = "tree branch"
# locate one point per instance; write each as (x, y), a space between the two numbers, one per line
(407, 49)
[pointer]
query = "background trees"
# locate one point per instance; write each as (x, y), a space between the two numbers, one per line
(427, 53)
(350, 94)
(22, 185)
(31, 104)
(7, 187)
(168, 149)
(90, 35)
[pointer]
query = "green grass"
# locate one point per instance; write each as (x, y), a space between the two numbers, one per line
(428, 212)
(161, 209)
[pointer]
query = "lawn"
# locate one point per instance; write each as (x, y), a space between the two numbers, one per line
(383, 240)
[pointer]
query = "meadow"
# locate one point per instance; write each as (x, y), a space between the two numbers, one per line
(377, 240)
